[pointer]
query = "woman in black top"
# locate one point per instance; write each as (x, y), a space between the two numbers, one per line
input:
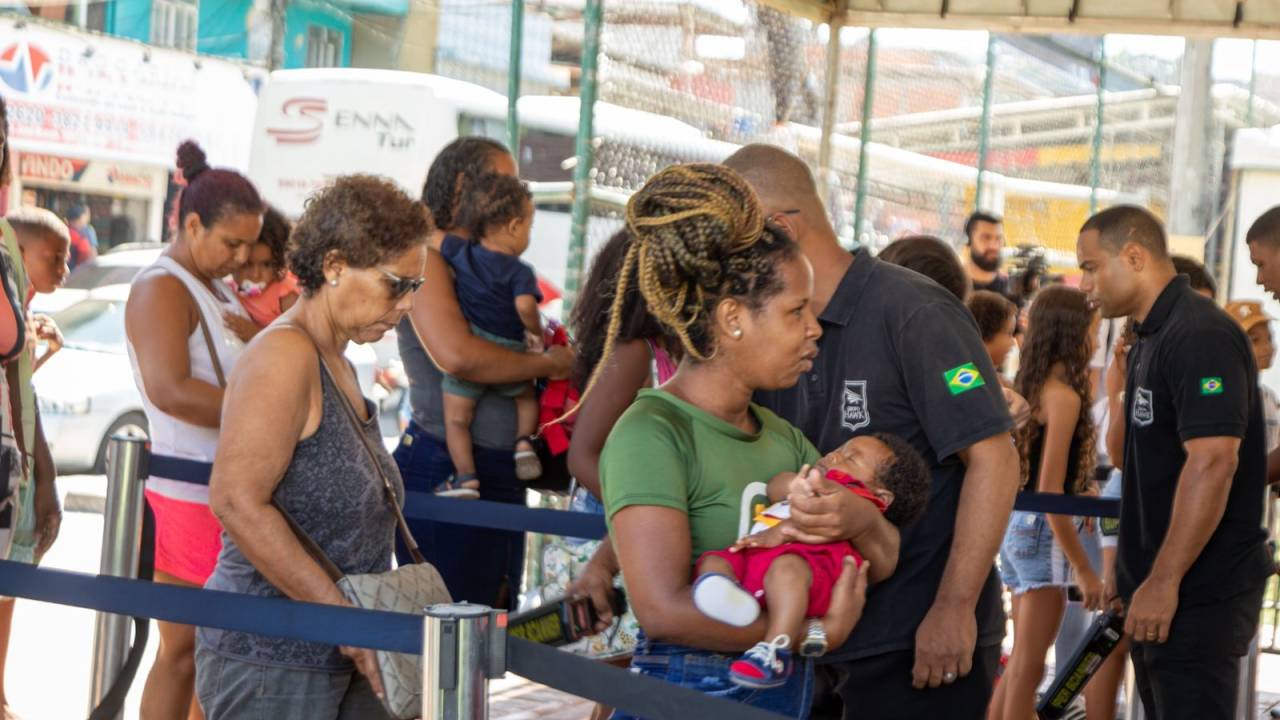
(1057, 453)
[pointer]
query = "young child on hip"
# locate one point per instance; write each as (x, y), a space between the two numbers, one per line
(792, 579)
(264, 285)
(499, 296)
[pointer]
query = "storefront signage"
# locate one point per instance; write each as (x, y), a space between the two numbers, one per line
(49, 167)
(89, 96)
(89, 175)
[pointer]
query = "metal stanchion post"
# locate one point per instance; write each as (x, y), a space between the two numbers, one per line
(121, 535)
(1132, 703)
(464, 646)
(1247, 687)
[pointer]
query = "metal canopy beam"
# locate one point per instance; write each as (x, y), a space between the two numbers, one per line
(816, 10)
(1051, 25)
(1258, 19)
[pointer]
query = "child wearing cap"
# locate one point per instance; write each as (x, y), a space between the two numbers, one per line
(1257, 325)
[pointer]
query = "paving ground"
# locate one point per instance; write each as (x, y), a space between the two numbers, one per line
(49, 659)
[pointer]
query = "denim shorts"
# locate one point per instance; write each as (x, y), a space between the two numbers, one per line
(471, 390)
(1110, 527)
(1029, 557)
(708, 672)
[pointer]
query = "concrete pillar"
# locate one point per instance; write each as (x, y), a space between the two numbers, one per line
(1193, 184)
(418, 43)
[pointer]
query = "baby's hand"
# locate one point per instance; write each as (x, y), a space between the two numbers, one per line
(243, 327)
(809, 482)
(771, 538)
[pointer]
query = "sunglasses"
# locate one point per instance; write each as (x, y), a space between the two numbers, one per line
(401, 286)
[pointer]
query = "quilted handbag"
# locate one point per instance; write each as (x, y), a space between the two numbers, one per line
(407, 589)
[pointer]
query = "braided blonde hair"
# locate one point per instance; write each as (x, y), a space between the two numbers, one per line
(698, 236)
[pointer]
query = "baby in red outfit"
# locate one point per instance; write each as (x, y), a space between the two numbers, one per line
(794, 580)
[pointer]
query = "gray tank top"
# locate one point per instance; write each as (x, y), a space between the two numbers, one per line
(494, 426)
(336, 495)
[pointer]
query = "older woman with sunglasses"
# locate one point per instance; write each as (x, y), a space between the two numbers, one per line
(292, 455)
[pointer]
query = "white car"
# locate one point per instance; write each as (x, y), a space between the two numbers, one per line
(86, 391)
(116, 267)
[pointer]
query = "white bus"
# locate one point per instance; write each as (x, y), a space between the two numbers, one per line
(315, 124)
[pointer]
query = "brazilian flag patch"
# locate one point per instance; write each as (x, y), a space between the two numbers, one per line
(964, 378)
(1211, 386)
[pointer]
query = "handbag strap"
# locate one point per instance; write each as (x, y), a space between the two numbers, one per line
(335, 574)
(213, 351)
(392, 502)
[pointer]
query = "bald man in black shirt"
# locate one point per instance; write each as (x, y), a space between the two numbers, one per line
(1191, 561)
(899, 354)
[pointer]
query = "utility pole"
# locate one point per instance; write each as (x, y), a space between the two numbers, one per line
(275, 58)
(1191, 188)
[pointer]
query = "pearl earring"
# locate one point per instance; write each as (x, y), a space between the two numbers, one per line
(737, 332)
(334, 282)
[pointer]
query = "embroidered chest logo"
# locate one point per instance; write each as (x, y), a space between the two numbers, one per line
(855, 414)
(1144, 407)
(964, 378)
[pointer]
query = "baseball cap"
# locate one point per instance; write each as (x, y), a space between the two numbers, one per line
(1247, 313)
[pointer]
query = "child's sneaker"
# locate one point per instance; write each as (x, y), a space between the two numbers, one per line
(765, 666)
(528, 466)
(720, 597)
(461, 487)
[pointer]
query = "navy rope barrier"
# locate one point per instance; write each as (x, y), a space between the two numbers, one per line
(636, 694)
(507, 516)
(332, 625)
(425, 506)
(276, 617)
(503, 516)
(399, 632)
(1068, 504)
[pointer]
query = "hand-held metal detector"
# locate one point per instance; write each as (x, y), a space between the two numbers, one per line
(1103, 637)
(561, 621)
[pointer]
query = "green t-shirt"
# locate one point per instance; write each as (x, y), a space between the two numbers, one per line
(664, 451)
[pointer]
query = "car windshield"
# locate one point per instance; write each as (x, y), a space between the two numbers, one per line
(93, 274)
(93, 325)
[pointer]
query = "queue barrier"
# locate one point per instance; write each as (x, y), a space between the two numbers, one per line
(332, 625)
(506, 516)
(124, 597)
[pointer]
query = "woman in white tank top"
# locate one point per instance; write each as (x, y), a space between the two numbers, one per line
(174, 318)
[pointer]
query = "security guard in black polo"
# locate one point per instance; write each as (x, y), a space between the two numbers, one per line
(1192, 561)
(901, 355)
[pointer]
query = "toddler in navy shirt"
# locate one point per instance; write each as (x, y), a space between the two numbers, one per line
(499, 296)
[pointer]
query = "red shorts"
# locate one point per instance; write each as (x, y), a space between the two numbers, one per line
(188, 538)
(825, 562)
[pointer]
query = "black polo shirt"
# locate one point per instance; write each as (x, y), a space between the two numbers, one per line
(901, 355)
(1191, 375)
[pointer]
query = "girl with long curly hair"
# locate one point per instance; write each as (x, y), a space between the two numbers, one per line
(1057, 454)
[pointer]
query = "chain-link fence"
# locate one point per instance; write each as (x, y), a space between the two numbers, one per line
(1041, 130)
(1061, 125)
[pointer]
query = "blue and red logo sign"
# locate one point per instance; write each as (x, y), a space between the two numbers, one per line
(26, 68)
